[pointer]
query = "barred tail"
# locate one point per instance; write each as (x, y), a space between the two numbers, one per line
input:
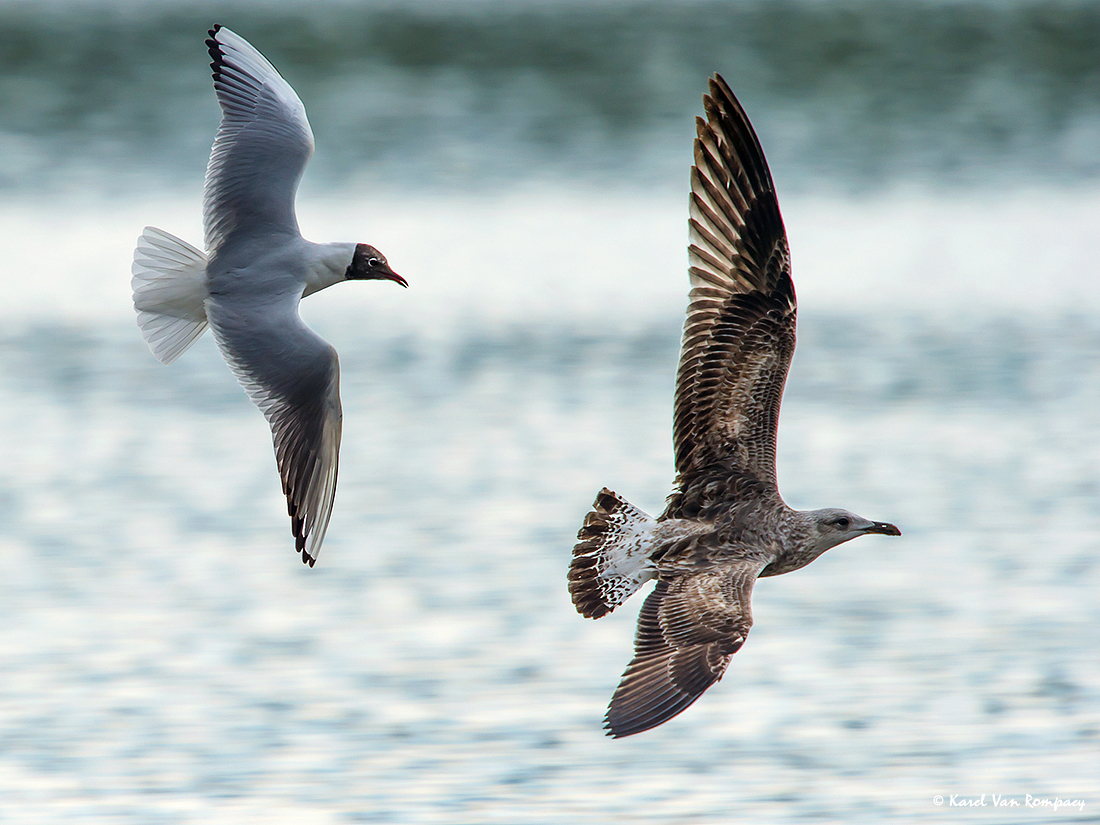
(611, 558)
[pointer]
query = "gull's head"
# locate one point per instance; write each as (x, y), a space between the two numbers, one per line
(833, 526)
(368, 264)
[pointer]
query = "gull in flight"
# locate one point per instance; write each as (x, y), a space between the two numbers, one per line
(256, 268)
(725, 524)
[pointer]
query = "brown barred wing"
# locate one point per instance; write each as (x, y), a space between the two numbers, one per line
(739, 335)
(688, 629)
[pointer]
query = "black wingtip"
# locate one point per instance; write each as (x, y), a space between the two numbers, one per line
(622, 728)
(611, 733)
(626, 725)
(620, 723)
(217, 57)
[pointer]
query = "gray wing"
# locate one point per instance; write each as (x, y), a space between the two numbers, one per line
(263, 144)
(739, 334)
(688, 628)
(293, 376)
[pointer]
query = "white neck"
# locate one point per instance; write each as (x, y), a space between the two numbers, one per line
(328, 265)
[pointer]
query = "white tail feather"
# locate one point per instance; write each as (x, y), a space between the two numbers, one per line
(611, 558)
(169, 284)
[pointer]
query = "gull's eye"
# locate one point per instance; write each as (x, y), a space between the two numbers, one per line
(842, 523)
(373, 262)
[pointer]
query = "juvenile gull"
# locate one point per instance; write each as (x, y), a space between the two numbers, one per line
(256, 268)
(725, 524)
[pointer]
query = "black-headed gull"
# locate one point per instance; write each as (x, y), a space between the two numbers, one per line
(725, 524)
(256, 269)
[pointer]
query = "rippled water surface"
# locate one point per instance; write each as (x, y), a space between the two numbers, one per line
(166, 657)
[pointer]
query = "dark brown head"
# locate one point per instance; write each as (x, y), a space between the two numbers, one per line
(368, 264)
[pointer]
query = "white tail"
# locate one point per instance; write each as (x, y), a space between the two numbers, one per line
(611, 558)
(169, 283)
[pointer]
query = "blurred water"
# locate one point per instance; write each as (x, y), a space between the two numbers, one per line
(476, 94)
(167, 659)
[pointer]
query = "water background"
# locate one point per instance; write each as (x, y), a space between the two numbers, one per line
(166, 658)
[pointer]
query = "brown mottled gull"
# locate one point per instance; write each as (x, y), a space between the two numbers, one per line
(725, 524)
